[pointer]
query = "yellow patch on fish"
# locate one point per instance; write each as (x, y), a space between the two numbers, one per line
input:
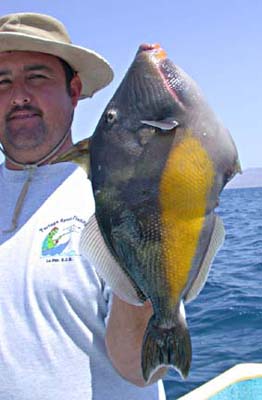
(185, 185)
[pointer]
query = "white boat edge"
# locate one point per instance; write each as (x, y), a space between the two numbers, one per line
(238, 373)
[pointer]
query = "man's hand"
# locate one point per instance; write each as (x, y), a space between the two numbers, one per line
(125, 331)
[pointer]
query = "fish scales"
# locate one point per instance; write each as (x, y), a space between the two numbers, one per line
(188, 173)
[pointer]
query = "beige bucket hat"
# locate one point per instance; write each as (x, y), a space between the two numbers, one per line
(45, 34)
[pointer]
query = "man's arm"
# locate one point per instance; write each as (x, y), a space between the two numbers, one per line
(124, 336)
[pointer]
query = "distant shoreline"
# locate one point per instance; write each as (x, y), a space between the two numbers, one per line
(242, 187)
(250, 178)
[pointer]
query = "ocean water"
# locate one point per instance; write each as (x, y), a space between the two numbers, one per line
(225, 321)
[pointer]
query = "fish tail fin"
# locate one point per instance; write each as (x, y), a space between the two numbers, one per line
(166, 347)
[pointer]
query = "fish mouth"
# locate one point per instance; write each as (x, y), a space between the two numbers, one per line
(155, 50)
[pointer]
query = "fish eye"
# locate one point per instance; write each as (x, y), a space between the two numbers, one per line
(111, 116)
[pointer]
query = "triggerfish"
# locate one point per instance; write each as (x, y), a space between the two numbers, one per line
(159, 158)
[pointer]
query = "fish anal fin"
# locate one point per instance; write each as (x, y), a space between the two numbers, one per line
(216, 241)
(95, 249)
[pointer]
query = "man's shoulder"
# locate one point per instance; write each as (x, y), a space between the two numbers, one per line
(80, 176)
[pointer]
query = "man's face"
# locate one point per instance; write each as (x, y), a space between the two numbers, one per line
(35, 107)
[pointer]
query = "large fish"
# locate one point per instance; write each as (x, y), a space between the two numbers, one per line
(159, 159)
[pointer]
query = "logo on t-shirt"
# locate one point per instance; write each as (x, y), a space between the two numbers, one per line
(61, 238)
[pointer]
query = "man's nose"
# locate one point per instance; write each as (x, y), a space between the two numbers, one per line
(20, 96)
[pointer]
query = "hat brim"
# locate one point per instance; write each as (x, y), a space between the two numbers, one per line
(93, 70)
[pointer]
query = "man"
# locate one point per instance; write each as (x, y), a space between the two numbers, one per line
(57, 337)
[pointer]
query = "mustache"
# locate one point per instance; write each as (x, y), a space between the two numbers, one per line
(26, 107)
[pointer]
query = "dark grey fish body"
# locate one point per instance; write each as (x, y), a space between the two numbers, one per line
(159, 159)
(156, 137)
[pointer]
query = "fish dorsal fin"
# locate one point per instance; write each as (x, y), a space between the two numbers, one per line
(94, 248)
(216, 241)
(78, 153)
(166, 124)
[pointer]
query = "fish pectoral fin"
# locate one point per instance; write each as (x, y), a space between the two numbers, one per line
(166, 124)
(216, 241)
(95, 249)
(79, 153)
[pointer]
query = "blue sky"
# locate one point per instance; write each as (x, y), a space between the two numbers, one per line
(219, 43)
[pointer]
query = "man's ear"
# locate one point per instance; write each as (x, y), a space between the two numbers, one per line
(75, 89)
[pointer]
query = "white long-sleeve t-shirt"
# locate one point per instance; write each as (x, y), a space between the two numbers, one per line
(53, 305)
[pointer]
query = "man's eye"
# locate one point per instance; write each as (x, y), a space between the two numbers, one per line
(5, 82)
(37, 76)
